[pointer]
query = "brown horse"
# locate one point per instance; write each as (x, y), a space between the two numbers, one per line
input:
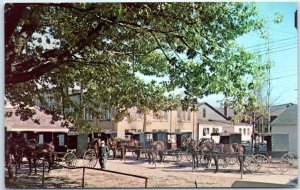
(134, 146)
(34, 151)
(213, 150)
(157, 148)
(117, 144)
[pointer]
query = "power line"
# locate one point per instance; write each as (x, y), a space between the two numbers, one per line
(265, 51)
(257, 45)
(282, 77)
(278, 47)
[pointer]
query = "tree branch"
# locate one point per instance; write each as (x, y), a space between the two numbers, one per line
(47, 65)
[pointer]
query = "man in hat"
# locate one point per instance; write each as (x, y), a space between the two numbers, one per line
(103, 154)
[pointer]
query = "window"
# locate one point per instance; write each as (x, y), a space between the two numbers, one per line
(240, 130)
(105, 114)
(87, 114)
(248, 131)
(25, 136)
(139, 130)
(183, 115)
(204, 112)
(61, 140)
(154, 130)
(165, 115)
(41, 138)
(244, 131)
(178, 114)
(166, 130)
(126, 130)
(205, 131)
(188, 115)
(161, 115)
(149, 137)
(215, 130)
(127, 137)
(133, 130)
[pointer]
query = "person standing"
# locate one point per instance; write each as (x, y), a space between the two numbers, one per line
(103, 154)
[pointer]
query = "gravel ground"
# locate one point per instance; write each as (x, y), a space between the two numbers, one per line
(165, 175)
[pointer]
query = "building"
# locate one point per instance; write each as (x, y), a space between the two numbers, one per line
(285, 128)
(211, 121)
(44, 132)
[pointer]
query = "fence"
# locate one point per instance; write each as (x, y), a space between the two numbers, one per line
(83, 173)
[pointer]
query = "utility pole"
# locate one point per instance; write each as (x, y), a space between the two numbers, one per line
(269, 80)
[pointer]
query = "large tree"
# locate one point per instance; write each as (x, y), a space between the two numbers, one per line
(106, 47)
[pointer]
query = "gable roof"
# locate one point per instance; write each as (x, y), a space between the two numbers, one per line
(288, 117)
(214, 109)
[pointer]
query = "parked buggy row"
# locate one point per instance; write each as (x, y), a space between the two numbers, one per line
(179, 151)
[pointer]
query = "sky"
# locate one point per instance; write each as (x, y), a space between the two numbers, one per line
(283, 53)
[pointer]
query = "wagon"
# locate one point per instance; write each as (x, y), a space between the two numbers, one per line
(67, 159)
(90, 158)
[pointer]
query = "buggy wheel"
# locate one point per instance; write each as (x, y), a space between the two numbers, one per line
(70, 159)
(251, 165)
(287, 162)
(264, 163)
(230, 160)
(257, 163)
(90, 158)
(176, 155)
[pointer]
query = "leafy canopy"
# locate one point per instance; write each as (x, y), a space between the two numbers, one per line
(104, 47)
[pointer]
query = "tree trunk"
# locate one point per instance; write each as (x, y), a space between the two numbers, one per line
(145, 122)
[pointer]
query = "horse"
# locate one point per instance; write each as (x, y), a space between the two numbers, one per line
(8, 154)
(94, 144)
(193, 148)
(213, 149)
(157, 148)
(33, 151)
(117, 144)
(134, 145)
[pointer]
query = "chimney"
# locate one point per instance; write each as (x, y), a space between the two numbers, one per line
(225, 109)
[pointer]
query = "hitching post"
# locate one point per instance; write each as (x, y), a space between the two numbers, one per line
(43, 173)
(242, 165)
(83, 177)
(146, 183)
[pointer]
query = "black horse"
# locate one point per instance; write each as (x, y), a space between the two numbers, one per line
(193, 148)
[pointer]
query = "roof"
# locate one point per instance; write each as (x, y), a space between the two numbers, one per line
(14, 123)
(278, 109)
(230, 112)
(287, 117)
(217, 111)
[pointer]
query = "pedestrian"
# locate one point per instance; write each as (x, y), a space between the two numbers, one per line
(103, 154)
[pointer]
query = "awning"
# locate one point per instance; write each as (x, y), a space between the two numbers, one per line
(14, 123)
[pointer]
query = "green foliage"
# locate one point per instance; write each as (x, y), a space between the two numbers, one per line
(101, 47)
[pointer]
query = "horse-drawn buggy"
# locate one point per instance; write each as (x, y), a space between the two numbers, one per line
(229, 151)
